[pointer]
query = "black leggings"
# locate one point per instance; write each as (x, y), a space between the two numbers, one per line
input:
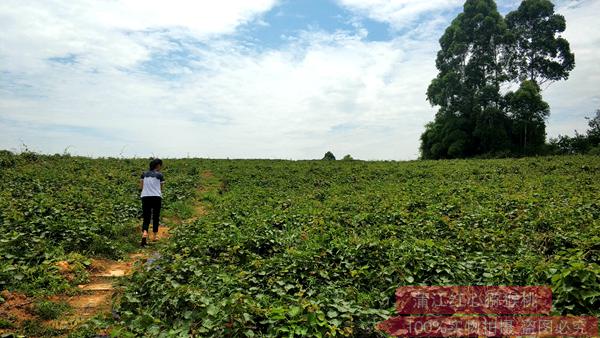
(151, 206)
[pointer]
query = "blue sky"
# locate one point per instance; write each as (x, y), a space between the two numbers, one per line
(243, 79)
(289, 18)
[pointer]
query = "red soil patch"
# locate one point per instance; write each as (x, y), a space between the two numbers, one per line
(108, 268)
(16, 308)
(163, 232)
(84, 307)
(63, 267)
(96, 296)
(66, 270)
(199, 210)
(96, 286)
(90, 303)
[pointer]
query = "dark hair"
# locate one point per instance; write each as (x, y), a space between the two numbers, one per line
(154, 163)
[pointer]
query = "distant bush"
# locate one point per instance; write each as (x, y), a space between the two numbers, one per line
(7, 159)
(347, 158)
(329, 156)
(29, 156)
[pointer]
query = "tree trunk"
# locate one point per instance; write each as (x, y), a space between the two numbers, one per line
(525, 141)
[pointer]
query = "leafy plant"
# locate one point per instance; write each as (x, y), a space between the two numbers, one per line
(309, 248)
(46, 309)
(302, 248)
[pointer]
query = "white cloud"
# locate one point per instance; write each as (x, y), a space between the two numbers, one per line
(280, 103)
(104, 32)
(570, 100)
(579, 96)
(200, 17)
(399, 13)
(320, 91)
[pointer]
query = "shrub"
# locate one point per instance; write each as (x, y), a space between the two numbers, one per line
(329, 156)
(47, 310)
(7, 159)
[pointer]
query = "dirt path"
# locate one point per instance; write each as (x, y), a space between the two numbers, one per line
(97, 295)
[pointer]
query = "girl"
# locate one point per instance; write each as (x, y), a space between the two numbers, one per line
(151, 183)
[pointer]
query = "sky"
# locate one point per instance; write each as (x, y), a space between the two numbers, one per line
(287, 79)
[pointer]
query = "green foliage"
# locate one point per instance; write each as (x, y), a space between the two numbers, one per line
(92, 327)
(309, 248)
(446, 137)
(6, 324)
(36, 328)
(181, 209)
(594, 151)
(61, 207)
(480, 51)
(537, 52)
(46, 309)
(347, 158)
(304, 248)
(593, 134)
(467, 88)
(7, 159)
(576, 283)
(329, 156)
(588, 143)
(528, 114)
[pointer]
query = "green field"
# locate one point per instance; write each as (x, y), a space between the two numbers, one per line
(301, 248)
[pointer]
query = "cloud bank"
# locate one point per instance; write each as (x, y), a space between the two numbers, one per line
(141, 78)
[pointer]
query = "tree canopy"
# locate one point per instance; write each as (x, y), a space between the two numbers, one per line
(528, 113)
(480, 52)
(537, 52)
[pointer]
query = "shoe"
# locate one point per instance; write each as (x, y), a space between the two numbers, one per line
(144, 241)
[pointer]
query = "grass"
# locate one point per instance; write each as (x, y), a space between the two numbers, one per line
(48, 310)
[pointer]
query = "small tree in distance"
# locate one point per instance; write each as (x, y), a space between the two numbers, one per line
(329, 156)
(347, 158)
(594, 133)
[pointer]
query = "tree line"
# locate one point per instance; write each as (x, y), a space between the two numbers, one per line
(482, 55)
(586, 143)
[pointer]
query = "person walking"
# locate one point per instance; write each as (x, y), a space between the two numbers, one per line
(151, 183)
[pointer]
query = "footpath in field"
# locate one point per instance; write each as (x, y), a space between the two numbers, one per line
(96, 296)
(99, 293)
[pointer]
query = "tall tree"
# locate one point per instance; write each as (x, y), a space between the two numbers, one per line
(528, 113)
(467, 88)
(538, 52)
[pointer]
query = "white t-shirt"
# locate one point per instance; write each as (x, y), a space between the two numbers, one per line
(152, 180)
